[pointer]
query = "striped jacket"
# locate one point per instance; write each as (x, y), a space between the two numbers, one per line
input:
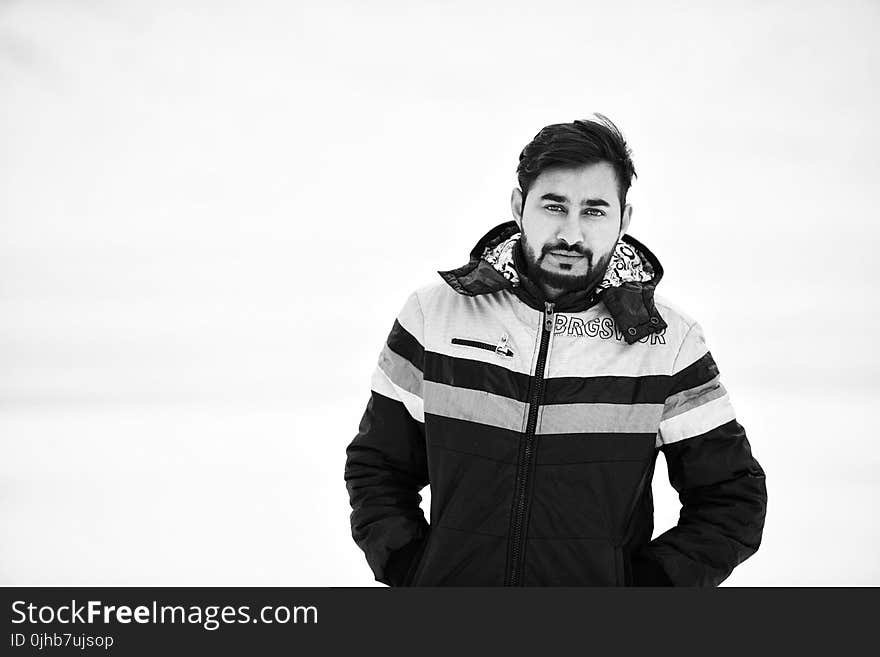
(537, 426)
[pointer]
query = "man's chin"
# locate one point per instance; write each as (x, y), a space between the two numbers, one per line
(561, 281)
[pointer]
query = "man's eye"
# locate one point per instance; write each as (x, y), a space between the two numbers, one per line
(598, 213)
(559, 208)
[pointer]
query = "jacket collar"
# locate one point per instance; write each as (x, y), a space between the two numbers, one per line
(627, 289)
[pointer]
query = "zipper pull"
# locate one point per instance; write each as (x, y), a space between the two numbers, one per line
(501, 348)
(548, 315)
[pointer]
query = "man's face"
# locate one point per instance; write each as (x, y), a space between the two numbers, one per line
(570, 224)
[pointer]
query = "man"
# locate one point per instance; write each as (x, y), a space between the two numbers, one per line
(533, 388)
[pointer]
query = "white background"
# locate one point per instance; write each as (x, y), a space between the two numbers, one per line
(210, 214)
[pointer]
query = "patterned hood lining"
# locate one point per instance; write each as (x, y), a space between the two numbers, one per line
(626, 265)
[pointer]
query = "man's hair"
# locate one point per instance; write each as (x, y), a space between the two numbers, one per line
(576, 144)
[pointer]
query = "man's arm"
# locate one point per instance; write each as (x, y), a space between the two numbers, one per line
(386, 463)
(720, 484)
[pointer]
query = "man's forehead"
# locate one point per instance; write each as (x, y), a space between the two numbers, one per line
(586, 180)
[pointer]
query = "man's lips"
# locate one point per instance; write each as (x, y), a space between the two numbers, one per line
(566, 256)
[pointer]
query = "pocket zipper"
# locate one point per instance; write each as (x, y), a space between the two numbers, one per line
(502, 348)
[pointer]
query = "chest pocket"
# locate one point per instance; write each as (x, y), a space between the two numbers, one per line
(502, 347)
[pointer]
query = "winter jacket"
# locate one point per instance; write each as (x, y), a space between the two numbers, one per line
(537, 425)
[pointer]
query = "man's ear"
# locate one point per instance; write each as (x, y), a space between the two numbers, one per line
(516, 203)
(625, 217)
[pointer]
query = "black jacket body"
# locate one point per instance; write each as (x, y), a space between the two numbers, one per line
(537, 426)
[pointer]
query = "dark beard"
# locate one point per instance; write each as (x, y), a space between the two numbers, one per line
(561, 281)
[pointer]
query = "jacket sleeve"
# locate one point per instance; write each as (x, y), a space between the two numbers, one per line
(386, 464)
(720, 484)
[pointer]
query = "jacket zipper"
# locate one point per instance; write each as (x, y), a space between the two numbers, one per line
(517, 533)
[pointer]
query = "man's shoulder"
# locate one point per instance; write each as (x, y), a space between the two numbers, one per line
(429, 293)
(431, 288)
(424, 297)
(676, 318)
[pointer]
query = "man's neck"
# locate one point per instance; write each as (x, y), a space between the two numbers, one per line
(551, 293)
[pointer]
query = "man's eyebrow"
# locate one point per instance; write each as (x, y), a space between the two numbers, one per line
(562, 199)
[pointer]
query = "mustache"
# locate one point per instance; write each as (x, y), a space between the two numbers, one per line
(568, 250)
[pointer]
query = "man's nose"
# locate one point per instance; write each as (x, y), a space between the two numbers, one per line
(570, 231)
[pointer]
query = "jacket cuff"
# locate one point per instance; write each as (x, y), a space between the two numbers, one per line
(647, 572)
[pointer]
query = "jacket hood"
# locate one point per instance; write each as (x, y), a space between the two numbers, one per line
(627, 289)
